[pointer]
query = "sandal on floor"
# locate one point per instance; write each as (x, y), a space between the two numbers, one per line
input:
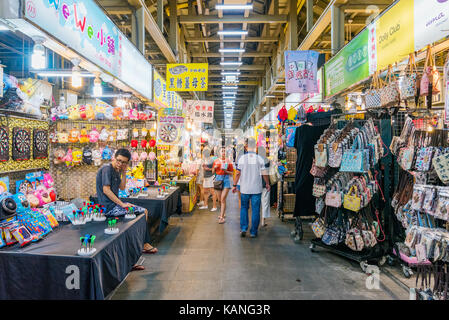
(150, 251)
(221, 221)
(138, 268)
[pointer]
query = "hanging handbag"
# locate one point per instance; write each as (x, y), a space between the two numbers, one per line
(333, 198)
(334, 234)
(318, 226)
(319, 205)
(354, 239)
(290, 133)
(441, 165)
(352, 200)
(317, 171)
(319, 188)
(372, 97)
(335, 155)
(321, 155)
(389, 93)
(430, 77)
(355, 159)
(408, 86)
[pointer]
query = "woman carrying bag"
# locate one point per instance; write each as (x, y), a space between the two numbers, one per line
(223, 170)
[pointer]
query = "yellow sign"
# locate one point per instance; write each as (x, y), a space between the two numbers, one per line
(162, 97)
(187, 77)
(394, 34)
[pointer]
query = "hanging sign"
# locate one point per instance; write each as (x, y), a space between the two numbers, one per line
(82, 26)
(187, 77)
(201, 111)
(170, 124)
(162, 97)
(394, 33)
(301, 71)
(349, 66)
(431, 21)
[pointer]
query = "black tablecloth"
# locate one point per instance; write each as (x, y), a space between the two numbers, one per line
(159, 209)
(41, 270)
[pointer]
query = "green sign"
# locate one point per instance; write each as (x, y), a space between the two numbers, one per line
(349, 66)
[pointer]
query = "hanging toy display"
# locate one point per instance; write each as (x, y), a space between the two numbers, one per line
(112, 226)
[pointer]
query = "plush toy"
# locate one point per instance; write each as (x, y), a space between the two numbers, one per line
(31, 104)
(59, 155)
(143, 116)
(152, 133)
(106, 154)
(49, 184)
(77, 155)
(134, 158)
(96, 157)
(22, 203)
(83, 114)
(143, 143)
(52, 136)
(42, 194)
(87, 156)
(68, 158)
(117, 113)
(62, 112)
(74, 135)
(100, 111)
(84, 138)
(137, 171)
(90, 113)
(104, 134)
(133, 114)
(109, 114)
(74, 112)
(27, 87)
(144, 132)
(122, 134)
(94, 135)
(33, 200)
(134, 143)
(152, 143)
(152, 156)
(63, 136)
(143, 156)
(112, 136)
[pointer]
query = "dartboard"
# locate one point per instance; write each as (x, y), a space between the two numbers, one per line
(40, 144)
(168, 133)
(21, 141)
(25, 187)
(4, 144)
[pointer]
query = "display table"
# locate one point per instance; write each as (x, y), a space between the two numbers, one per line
(42, 270)
(159, 209)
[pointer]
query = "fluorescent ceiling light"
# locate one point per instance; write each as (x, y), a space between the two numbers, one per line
(233, 33)
(230, 88)
(230, 73)
(231, 50)
(233, 6)
(231, 63)
(270, 97)
(63, 73)
(230, 81)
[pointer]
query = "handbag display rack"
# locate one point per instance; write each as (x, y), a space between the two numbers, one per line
(353, 220)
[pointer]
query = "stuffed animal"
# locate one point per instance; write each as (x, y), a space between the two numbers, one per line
(122, 134)
(112, 136)
(77, 155)
(68, 158)
(100, 111)
(143, 156)
(133, 114)
(22, 203)
(42, 194)
(143, 116)
(137, 171)
(33, 200)
(106, 154)
(84, 138)
(62, 112)
(74, 135)
(31, 104)
(134, 158)
(49, 184)
(104, 134)
(109, 114)
(90, 113)
(94, 135)
(96, 157)
(59, 155)
(83, 113)
(74, 112)
(117, 113)
(63, 136)
(87, 156)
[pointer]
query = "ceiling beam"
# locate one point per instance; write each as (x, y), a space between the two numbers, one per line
(244, 55)
(259, 67)
(118, 10)
(255, 18)
(241, 83)
(250, 39)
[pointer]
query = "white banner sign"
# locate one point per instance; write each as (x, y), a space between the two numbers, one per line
(202, 111)
(431, 21)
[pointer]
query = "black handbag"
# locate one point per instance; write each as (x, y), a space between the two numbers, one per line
(218, 185)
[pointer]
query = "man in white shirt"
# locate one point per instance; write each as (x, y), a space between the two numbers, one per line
(249, 169)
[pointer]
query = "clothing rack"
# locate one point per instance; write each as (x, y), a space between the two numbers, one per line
(379, 253)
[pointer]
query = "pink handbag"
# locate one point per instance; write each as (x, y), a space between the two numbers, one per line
(430, 75)
(333, 198)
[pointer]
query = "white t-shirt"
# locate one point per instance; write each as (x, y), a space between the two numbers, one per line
(251, 167)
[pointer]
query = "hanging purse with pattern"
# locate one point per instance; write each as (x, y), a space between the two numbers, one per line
(389, 93)
(317, 171)
(333, 197)
(352, 200)
(319, 205)
(335, 154)
(321, 155)
(408, 80)
(319, 188)
(372, 97)
(354, 239)
(318, 226)
(334, 233)
(430, 77)
(441, 165)
(355, 159)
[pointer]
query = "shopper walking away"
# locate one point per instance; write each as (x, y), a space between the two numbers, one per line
(110, 178)
(265, 201)
(215, 199)
(200, 180)
(223, 170)
(240, 152)
(208, 184)
(250, 168)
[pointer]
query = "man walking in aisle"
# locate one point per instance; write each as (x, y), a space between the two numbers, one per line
(250, 167)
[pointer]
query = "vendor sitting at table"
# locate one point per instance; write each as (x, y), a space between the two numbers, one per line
(110, 178)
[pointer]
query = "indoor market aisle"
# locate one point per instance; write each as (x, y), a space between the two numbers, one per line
(201, 259)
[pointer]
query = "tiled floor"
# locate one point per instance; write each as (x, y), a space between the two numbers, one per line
(201, 259)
